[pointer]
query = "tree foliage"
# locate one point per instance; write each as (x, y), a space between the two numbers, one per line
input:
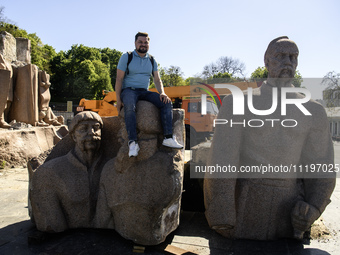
(111, 57)
(261, 73)
(229, 65)
(332, 92)
(332, 80)
(172, 76)
(221, 78)
(83, 72)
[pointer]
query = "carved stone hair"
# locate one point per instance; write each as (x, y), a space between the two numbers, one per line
(272, 44)
(82, 116)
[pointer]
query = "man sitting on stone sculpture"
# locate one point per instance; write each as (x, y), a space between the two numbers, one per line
(265, 208)
(132, 84)
(65, 189)
(140, 198)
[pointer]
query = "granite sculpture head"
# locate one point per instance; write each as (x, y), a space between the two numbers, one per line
(281, 58)
(85, 130)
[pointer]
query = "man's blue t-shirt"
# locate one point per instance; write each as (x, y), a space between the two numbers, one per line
(140, 70)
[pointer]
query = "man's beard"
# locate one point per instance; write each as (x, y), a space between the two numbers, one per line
(142, 50)
(91, 143)
(287, 73)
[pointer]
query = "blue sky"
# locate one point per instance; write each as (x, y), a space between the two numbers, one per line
(191, 34)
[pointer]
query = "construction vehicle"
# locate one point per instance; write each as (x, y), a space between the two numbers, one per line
(198, 126)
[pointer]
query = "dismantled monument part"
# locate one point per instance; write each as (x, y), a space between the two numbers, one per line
(268, 207)
(25, 96)
(138, 197)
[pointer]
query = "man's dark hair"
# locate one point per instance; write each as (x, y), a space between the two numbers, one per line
(142, 34)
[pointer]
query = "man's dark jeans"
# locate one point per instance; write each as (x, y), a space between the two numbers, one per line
(130, 97)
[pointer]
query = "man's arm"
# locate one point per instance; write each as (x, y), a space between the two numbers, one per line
(159, 87)
(119, 84)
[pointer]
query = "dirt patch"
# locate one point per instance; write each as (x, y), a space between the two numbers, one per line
(9, 157)
(319, 231)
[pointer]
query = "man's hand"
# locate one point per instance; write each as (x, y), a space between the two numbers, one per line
(119, 106)
(164, 98)
(303, 215)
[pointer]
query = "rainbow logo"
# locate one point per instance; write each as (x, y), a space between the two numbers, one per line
(209, 93)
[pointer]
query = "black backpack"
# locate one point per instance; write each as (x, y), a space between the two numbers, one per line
(130, 56)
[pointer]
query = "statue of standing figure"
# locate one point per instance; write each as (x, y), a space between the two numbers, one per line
(46, 115)
(25, 93)
(6, 88)
(270, 208)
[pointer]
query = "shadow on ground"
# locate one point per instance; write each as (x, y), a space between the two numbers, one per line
(23, 238)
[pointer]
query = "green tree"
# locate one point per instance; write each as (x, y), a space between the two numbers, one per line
(91, 79)
(61, 78)
(172, 76)
(221, 78)
(69, 70)
(83, 72)
(261, 74)
(297, 79)
(193, 80)
(13, 29)
(102, 79)
(111, 57)
(47, 54)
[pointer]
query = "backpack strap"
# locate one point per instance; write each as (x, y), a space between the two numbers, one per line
(130, 56)
(152, 63)
(129, 61)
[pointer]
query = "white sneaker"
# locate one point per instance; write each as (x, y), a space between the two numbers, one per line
(172, 143)
(133, 149)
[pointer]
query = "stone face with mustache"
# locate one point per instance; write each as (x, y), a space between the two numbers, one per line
(281, 60)
(87, 135)
(64, 189)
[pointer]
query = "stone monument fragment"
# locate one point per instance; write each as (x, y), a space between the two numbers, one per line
(46, 115)
(267, 208)
(25, 101)
(8, 48)
(22, 96)
(139, 197)
(6, 88)
(23, 50)
(64, 190)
